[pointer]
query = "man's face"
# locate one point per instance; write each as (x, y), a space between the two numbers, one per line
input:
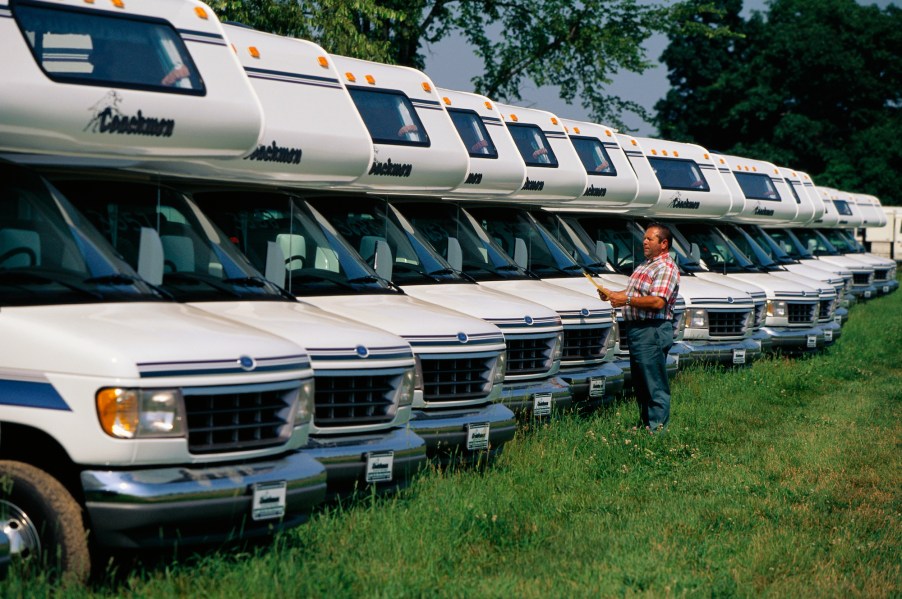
(651, 245)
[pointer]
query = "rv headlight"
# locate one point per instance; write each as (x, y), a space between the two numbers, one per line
(418, 373)
(500, 369)
(612, 338)
(698, 319)
(680, 323)
(141, 413)
(776, 308)
(558, 350)
(761, 313)
(405, 389)
(305, 404)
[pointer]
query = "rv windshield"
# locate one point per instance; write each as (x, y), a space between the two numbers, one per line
(749, 247)
(49, 254)
(816, 242)
(473, 133)
(839, 240)
(622, 242)
(574, 239)
(533, 145)
(526, 241)
(767, 245)
(366, 222)
(717, 252)
(789, 243)
(593, 156)
(460, 240)
(389, 116)
(757, 186)
(199, 262)
(678, 173)
(293, 244)
(92, 47)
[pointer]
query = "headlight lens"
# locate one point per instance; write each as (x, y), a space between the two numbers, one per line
(776, 308)
(698, 319)
(500, 368)
(681, 323)
(558, 347)
(141, 413)
(613, 336)
(305, 404)
(418, 373)
(405, 390)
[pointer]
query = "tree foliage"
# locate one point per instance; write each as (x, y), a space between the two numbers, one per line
(812, 84)
(575, 46)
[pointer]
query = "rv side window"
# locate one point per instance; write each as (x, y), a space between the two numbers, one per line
(842, 207)
(533, 145)
(757, 186)
(595, 158)
(473, 133)
(679, 173)
(792, 188)
(89, 48)
(390, 117)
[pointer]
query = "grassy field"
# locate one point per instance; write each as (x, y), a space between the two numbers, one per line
(782, 479)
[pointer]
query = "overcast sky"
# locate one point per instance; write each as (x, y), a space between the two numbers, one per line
(452, 64)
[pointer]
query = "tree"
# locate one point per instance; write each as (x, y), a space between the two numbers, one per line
(576, 46)
(815, 85)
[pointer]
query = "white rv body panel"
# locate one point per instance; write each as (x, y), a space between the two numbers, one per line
(438, 164)
(805, 208)
(766, 197)
(830, 217)
(872, 212)
(707, 196)
(611, 180)
(649, 189)
(489, 176)
(86, 98)
(546, 180)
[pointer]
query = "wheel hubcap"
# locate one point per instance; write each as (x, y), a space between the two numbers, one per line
(24, 540)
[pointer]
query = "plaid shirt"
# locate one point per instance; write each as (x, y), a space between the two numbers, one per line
(658, 276)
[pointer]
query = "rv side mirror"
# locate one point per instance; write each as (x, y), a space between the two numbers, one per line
(812, 245)
(150, 256)
(601, 250)
(275, 264)
(384, 260)
(695, 253)
(455, 255)
(521, 254)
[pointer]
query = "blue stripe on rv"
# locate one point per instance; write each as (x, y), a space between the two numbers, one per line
(31, 395)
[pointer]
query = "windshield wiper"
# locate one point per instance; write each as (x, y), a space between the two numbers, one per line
(192, 278)
(23, 276)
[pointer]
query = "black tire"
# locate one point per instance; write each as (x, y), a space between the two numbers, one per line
(44, 523)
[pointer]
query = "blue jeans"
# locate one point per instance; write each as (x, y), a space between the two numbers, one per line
(650, 340)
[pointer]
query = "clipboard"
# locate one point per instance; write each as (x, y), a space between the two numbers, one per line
(604, 292)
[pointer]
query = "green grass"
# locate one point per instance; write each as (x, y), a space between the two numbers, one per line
(782, 479)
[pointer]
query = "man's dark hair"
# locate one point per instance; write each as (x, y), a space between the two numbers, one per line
(663, 232)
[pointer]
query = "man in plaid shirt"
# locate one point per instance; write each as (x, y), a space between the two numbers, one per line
(647, 306)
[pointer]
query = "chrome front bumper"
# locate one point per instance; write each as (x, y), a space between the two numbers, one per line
(581, 380)
(153, 507)
(445, 431)
(796, 340)
(720, 352)
(521, 396)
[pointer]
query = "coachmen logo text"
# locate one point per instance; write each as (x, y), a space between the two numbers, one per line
(763, 211)
(596, 192)
(473, 179)
(683, 203)
(533, 185)
(108, 118)
(275, 153)
(390, 169)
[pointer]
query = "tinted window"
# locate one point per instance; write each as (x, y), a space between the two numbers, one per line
(593, 155)
(93, 48)
(473, 133)
(757, 186)
(678, 173)
(533, 145)
(390, 117)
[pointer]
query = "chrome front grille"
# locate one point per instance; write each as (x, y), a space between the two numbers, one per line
(726, 324)
(624, 339)
(861, 278)
(456, 378)
(881, 274)
(529, 356)
(797, 313)
(354, 400)
(238, 421)
(584, 343)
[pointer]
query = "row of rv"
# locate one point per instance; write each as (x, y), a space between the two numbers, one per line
(239, 274)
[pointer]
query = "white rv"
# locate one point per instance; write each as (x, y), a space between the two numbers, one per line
(262, 202)
(145, 421)
(694, 190)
